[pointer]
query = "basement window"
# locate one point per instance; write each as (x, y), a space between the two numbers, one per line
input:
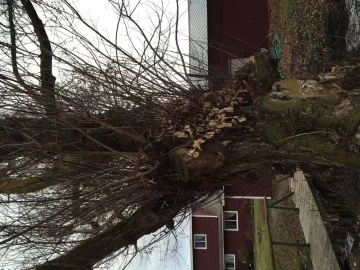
(231, 220)
(200, 241)
(229, 261)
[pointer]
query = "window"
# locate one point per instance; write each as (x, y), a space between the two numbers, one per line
(231, 220)
(229, 261)
(200, 241)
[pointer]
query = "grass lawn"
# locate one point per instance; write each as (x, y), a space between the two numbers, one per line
(307, 29)
(263, 256)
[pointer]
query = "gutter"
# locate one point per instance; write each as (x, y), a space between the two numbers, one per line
(222, 230)
(191, 244)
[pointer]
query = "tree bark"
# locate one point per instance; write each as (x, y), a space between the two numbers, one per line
(145, 220)
(199, 140)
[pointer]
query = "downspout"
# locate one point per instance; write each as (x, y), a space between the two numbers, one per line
(191, 245)
(222, 229)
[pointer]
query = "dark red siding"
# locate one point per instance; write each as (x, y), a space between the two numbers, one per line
(260, 187)
(236, 29)
(234, 239)
(207, 259)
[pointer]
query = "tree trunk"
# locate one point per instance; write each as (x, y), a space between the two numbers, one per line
(145, 220)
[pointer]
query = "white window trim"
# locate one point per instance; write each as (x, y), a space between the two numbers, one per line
(237, 221)
(204, 216)
(248, 197)
(233, 255)
(195, 241)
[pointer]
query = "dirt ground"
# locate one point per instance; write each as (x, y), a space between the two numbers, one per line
(311, 34)
(285, 227)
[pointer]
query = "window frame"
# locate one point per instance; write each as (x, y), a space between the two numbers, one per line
(237, 221)
(234, 260)
(199, 234)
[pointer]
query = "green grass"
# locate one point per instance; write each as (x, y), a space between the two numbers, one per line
(290, 12)
(303, 30)
(263, 250)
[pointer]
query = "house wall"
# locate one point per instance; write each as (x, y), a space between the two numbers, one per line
(236, 29)
(234, 239)
(207, 259)
(262, 187)
(215, 207)
(222, 242)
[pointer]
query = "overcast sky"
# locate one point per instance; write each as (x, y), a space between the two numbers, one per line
(102, 14)
(169, 254)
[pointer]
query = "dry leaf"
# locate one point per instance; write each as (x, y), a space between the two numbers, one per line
(207, 105)
(209, 134)
(197, 144)
(193, 153)
(240, 119)
(210, 114)
(188, 130)
(200, 129)
(224, 125)
(224, 119)
(180, 134)
(225, 143)
(216, 110)
(227, 109)
(213, 123)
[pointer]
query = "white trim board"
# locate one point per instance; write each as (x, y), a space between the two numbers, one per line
(247, 197)
(204, 216)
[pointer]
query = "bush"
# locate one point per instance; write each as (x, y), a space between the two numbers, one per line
(246, 254)
(340, 195)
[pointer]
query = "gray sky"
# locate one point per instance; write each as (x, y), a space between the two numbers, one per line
(102, 14)
(176, 258)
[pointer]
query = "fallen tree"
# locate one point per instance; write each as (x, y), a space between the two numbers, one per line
(120, 145)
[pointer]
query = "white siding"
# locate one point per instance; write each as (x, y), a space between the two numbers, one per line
(198, 35)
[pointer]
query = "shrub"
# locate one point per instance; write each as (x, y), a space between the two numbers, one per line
(246, 254)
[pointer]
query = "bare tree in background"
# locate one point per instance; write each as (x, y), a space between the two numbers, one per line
(120, 143)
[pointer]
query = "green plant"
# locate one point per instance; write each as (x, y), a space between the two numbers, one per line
(246, 254)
